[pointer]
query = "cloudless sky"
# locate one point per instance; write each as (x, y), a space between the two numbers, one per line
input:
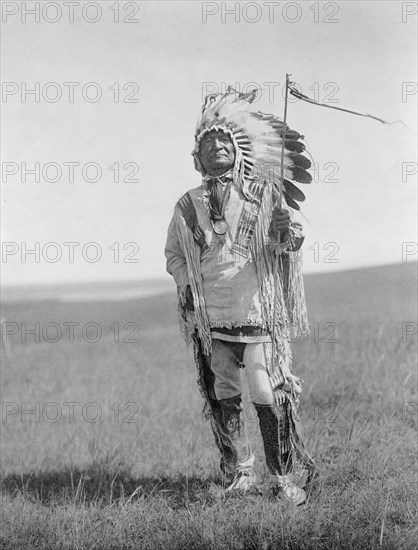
(366, 59)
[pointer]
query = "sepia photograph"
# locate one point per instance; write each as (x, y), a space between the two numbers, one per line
(209, 275)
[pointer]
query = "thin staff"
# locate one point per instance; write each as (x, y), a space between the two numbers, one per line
(279, 249)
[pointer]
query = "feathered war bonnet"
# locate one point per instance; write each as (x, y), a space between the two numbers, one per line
(258, 139)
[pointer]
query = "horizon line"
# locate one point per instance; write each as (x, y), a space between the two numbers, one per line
(168, 280)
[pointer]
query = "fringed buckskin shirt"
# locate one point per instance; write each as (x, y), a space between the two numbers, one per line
(229, 279)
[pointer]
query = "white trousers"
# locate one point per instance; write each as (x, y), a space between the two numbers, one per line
(225, 360)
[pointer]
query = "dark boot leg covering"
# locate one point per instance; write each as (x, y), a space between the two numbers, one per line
(230, 433)
(274, 427)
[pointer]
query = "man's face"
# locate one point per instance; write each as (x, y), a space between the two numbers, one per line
(216, 152)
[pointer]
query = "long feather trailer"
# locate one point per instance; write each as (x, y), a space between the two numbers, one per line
(295, 92)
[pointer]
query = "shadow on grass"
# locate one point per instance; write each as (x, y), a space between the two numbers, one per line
(104, 487)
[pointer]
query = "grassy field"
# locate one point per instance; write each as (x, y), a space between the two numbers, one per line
(115, 454)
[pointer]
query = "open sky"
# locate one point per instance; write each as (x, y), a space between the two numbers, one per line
(360, 54)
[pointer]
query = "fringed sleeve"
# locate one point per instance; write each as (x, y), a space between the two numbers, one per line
(176, 264)
(192, 321)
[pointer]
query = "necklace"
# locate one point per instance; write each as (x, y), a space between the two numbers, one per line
(215, 201)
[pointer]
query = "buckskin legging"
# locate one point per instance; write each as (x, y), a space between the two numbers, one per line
(227, 420)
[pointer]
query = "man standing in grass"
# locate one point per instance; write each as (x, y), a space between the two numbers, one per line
(234, 254)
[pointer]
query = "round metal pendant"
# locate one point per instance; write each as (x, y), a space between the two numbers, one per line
(220, 227)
